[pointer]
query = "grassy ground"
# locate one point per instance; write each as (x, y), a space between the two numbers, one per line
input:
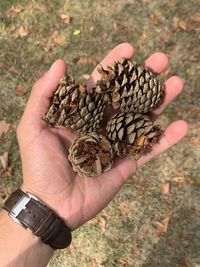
(123, 234)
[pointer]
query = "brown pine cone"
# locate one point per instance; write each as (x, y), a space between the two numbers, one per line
(130, 87)
(74, 107)
(91, 155)
(132, 134)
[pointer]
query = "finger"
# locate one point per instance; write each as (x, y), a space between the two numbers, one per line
(173, 87)
(172, 135)
(102, 189)
(42, 92)
(157, 62)
(124, 50)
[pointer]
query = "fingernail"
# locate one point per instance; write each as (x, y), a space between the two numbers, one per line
(51, 68)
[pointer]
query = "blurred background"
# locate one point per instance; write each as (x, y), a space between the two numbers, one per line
(155, 218)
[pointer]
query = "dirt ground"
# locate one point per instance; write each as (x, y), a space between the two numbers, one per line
(141, 227)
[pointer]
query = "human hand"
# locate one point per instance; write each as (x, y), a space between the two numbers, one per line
(44, 148)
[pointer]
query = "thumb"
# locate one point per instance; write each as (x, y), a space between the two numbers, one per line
(41, 94)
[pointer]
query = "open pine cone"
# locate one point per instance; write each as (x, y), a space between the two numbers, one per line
(130, 87)
(74, 107)
(91, 155)
(132, 134)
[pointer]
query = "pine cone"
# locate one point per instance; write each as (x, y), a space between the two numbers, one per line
(130, 87)
(91, 155)
(74, 107)
(132, 134)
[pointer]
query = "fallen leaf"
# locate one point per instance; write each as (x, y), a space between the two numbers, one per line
(186, 262)
(3, 192)
(13, 70)
(20, 91)
(55, 39)
(196, 16)
(162, 226)
(198, 129)
(13, 11)
(102, 224)
(86, 76)
(194, 141)
(123, 261)
(193, 59)
(41, 8)
(76, 32)
(86, 60)
(165, 188)
(65, 18)
(8, 171)
(23, 31)
(4, 127)
(4, 160)
(179, 180)
(125, 208)
(94, 263)
(182, 24)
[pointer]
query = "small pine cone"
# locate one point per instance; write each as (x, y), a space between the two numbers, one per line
(132, 134)
(130, 87)
(74, 107)
(91, 155)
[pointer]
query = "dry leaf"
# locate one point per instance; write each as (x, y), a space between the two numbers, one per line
(102, 224)
(125, 208)
(186, 262)
(55, 39)
(4, 160)
(179, 180)
(65, 18)
(76, 32)
(86, 76)
(3, 192)
(8, 171)
(194, 141)
(86, 60)
(20, 91)
(123, 261)
(196, 16)
(165, 188)
(4, 127)
(162, 226)
(193, 59)
(23, 31)
(94, 263)
(13, 70)
(41, 8)
(182, 24)
(13, 11)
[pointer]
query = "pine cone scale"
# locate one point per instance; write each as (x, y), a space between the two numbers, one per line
(130, 87)
(91, 155)
(75, 108)
(135, 134)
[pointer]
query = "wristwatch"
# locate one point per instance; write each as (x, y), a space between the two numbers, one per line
(33, 214)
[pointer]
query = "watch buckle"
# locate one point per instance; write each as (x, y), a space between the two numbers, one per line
(19, 206)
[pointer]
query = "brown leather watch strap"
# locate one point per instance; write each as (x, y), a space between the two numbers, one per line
(40, 219)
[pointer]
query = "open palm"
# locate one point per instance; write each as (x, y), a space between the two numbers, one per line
(44, 148)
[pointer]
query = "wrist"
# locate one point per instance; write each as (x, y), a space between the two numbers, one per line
(29, 211)
(27, 249)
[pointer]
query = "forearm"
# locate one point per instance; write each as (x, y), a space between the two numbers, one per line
(19, 247)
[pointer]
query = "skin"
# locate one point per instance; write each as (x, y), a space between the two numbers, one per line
(46, 171)
(43, 148)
